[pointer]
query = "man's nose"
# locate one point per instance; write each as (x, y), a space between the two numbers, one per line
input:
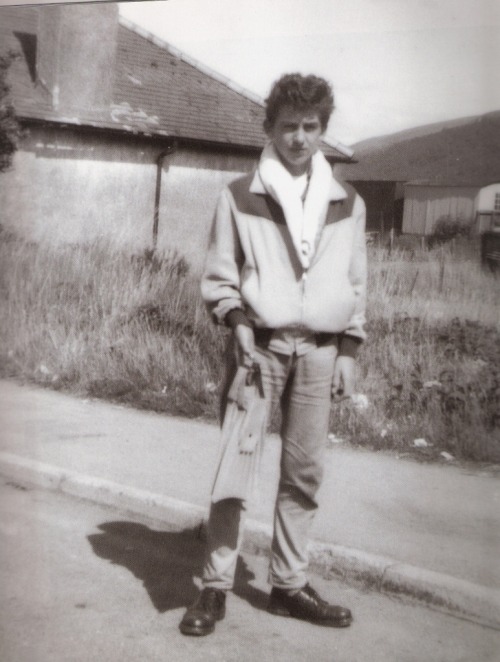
(299, 136)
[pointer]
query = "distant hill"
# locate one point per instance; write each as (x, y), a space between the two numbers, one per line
(465, 151)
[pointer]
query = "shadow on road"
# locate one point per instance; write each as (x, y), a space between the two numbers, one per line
(166, 562)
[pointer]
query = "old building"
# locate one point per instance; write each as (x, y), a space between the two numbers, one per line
(468, 204)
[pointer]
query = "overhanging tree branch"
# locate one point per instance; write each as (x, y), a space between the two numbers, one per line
(10, 129)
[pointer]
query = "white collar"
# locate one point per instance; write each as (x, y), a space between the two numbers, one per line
(337, 192)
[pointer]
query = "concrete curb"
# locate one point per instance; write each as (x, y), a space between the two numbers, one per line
(461, 598)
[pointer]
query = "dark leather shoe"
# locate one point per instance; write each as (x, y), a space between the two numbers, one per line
(201, 617)
(308, 606)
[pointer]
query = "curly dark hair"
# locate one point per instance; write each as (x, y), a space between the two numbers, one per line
(301, 93)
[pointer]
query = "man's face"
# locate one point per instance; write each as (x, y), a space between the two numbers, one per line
(296, 136)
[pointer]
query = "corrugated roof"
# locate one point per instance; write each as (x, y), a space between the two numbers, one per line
(157, 90)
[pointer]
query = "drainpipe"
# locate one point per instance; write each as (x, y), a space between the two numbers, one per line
(159, 167)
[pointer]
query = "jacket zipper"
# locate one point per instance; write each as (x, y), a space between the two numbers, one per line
(303, 295)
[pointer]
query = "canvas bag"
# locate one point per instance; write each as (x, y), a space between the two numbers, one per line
(242, 436)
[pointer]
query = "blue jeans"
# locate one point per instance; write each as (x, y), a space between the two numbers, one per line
(302, 385)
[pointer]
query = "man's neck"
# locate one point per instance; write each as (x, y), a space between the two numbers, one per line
(302, 169)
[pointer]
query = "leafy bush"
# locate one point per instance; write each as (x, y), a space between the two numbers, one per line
(447, 228)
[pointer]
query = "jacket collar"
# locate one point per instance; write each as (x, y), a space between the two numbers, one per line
(337, 192)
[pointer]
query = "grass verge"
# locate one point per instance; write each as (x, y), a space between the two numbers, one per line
(93, 320)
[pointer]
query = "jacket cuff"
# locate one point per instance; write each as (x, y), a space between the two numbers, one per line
(349, 345)
(236, 316)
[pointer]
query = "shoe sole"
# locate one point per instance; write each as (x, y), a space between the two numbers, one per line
(280, 611)
(195, 632)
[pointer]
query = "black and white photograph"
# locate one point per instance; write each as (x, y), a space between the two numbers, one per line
(250, 331)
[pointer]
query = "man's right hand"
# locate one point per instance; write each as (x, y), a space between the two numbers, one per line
(245, 342)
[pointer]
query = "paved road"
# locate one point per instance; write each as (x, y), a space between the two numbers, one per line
(83, 582)
(440, 518)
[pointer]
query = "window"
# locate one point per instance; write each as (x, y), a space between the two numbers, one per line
(496, 204)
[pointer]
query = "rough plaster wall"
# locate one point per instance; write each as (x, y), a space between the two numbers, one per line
(74, 187)
(66, 187)
(190, 190)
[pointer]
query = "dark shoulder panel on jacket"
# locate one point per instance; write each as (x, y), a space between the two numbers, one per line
(340, 209)
(241, 184)
(255, 204)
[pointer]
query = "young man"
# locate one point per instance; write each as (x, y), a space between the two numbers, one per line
(286, 270)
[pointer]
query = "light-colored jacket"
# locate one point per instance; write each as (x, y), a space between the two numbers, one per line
(252, 264)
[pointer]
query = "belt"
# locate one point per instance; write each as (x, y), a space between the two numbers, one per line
(263, 335)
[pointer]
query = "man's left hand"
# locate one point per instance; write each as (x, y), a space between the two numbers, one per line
(344, 377)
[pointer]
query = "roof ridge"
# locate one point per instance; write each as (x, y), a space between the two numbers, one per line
(340, 147)
(204, 69)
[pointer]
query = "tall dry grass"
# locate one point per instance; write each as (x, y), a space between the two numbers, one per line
(431, 367)
(94, 320)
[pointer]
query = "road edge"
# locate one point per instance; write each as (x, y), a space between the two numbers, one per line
(480, 604)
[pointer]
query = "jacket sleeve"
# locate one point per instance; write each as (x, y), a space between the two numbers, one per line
(220, 283)
(358, 273)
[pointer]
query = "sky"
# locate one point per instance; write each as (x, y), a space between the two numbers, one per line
(393, 64)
